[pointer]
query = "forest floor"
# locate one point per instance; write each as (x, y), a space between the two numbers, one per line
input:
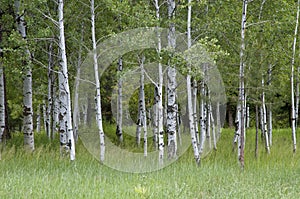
(44, 174)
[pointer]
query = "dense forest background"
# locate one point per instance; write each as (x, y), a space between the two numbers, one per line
(268, 49)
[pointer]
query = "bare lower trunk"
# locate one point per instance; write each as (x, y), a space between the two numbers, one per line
(191, 109)
(292, 81)
(98, 94)
(66, 128)
(38, 119)
(2, 103)
(119, 130)
(160, 110)
(256, 130)
(172, 107)
(242, 84)
(27, 84)
(264, 114)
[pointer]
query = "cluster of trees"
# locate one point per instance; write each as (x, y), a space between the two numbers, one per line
(43, 44)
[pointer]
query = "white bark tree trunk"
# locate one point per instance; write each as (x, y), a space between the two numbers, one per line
(27, 84)
(202, 117)
(248, 116)
(66, 129)
(171, 87)
(242, 84)
(2, 103)
(292, 81)
(38, 119)
(50, 106)
(119, 130)
(160, 109)
(270, 126)
(264, 114)
(44, 111)
(98, 94)
(194, 98)
(191, 110)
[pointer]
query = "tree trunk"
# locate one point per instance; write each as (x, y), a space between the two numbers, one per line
(194, 98)
(2, 103)
(203, 118)
(189, 90)
(248, 116)
(242, 84)
(98, 94)
(256, 130)
(171, 87)
(51, 79)
(66, 129)
(27, 84)
(160, 109)
(38, 119)
(292, 81)
(264, 114)
(270, 127)
(119, 131)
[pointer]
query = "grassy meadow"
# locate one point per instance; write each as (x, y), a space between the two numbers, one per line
(44, 174)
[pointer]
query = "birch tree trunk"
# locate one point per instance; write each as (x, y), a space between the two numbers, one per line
(66, 129)
(256, 130)
(44, 111)
(27, 83)
(248, 116)
(264, 113)
(98, 94)
(202, 117)
(159, 97)
(242, 84)
(292, 81)
(189, 90)
(51, 80)
(270, 127)
(38, 119)
(171, 87)
(119, 131)
(2, 103)
(143, 107)
(194, 98)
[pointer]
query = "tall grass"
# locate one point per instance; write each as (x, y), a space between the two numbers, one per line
(44, 174)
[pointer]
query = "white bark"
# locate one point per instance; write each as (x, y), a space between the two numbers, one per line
(50, 106)
(248, 116)
(195, 89)
(98, 94)
(270, 127)
(27, 84)
(191, 111)
(66, 128)
(292, 81)
(143, 106)
(2, 102)
(202, 117)
(264, 114)
(119, 130)
(160, 108)
(38, 119)
(242, 84)
(44, 111)
(172, 108)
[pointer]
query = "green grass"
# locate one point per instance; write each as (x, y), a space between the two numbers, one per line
(44, 174)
